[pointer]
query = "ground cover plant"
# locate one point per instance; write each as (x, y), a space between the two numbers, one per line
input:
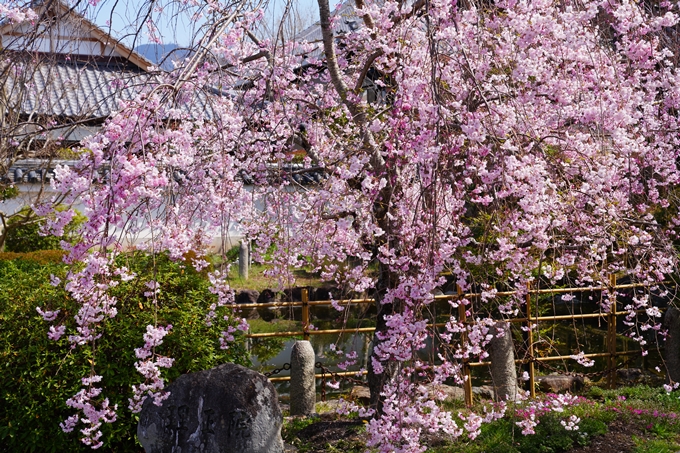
(498, 142)
(629, 419)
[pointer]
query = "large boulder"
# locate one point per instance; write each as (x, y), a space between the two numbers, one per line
(267, 313)
(226, 409)
(248, 296)
(447, 391)
(360, 395)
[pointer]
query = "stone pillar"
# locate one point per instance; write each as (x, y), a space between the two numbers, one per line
(302, 380)
(503, 370)
(671, 322)
(243, 259)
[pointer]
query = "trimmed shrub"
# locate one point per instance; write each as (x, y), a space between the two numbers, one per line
(38, 257)
(23, 235)
(38, 374)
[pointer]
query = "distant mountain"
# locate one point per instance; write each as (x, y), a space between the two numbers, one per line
(163, 54)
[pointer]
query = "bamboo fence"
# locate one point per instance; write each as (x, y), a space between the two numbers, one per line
(611, 353)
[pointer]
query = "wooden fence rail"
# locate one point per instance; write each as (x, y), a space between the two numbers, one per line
(529, 320)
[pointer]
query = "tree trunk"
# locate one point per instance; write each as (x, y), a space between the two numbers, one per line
(376, 382)
(671, 322)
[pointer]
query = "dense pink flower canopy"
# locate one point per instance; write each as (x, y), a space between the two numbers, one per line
(510, 140)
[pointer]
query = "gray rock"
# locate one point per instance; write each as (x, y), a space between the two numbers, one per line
(247, 296)
(557, 383)
(503, 370)
(226, 409)
(630, 375)
(483, 391)
(266, 296)
(360, 394)
(302, 380)
(450, 392)
(268, 313)
(243, 259)
(329, 406)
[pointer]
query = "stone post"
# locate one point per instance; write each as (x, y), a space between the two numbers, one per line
(243, 259)
(302, 380)
(503, 370)
(671, 321)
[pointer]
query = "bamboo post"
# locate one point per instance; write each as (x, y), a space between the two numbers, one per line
(305, 313)
(530, 339)
(611, 335)
(462, 317)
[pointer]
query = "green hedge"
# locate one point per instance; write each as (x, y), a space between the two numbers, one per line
(23, 235)
(37, 375)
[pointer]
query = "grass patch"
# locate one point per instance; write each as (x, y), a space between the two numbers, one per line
(293, 425)
(257, 280)
(277, 325)
(644, 445)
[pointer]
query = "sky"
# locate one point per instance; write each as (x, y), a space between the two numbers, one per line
(174, 25)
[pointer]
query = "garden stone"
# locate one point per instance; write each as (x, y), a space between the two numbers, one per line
(556, 383)
(483, 391)
(248, 296)
(302, 379)
(448, 392)
(243, 260)
(360, 394)
(630, 375)
(266, 296)
(267, 313)
(226, 409)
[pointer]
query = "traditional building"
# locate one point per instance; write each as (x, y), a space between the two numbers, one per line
(61, 78)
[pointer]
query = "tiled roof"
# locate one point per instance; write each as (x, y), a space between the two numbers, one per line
(82, 90)
(346, 22)
(59, 87)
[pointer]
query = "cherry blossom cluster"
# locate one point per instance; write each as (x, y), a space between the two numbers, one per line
(530, 411)
(16, 14)
(94, 411)
(225, 297)
(228, 335)
(412, 410)
(149, 366)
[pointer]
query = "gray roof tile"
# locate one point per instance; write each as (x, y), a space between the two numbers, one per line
(84, 90)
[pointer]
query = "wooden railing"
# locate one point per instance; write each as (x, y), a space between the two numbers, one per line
(611, 353)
